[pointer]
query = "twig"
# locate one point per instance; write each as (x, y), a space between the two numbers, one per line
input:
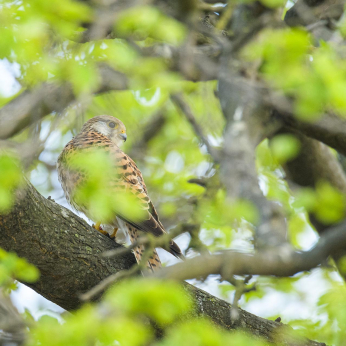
(151, 129)
(125, 250)
(211, 8)
(198, 181)
(107, 282)
(240, 290)
(225, 17)
(317, 24)
(186, 110)
(148, 239)
(215, 1)
(150, 242)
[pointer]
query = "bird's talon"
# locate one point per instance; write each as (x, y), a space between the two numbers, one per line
(99, 228)
(115, 230)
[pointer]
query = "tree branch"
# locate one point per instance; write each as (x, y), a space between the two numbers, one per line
(305, 12)
(330, 129)
(68, 253)
(271, 262)
(247, 124)
(185, 108)
(34, 104)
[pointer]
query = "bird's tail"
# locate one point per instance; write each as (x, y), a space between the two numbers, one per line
(174, 249)
(154, 262)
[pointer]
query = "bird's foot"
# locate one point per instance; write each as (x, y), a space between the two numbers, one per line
(99, 228)
(115, 230)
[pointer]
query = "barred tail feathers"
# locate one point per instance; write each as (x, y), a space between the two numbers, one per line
(154, 262)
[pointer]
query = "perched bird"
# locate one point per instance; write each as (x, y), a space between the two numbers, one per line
(107, 134)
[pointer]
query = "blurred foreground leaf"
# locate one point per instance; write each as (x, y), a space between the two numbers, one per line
(10, 179)
(12, 267)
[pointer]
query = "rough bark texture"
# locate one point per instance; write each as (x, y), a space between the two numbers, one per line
(64, 247)
(68, 251)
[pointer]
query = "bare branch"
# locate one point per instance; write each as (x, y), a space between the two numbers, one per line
(330, 129)
(151, 129)
(185, 108)
(247, 124)
(271, 262)
(307, 12)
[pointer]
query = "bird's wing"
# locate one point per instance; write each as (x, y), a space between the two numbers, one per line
(129, 178)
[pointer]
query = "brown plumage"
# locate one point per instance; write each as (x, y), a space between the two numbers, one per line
(107, 134)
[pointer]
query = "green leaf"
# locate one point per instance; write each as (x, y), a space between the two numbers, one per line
(88, 326)
(12, 267)
(10, 180)
(285, 147)
(96, 193)
(82, 75)
(202, 332)
(146, 21)
(305, 198)
(273, 3)
(330, 206)
(163, 302)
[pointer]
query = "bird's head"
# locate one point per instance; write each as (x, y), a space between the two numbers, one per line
(108, 126)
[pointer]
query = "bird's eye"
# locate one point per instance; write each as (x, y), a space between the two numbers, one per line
(112, 124)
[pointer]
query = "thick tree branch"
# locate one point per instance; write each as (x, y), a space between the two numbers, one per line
(306, 12)
(330, 129)
(247, 119)
(68, 253)
(32, 105)
(314, 163)
(270, 262)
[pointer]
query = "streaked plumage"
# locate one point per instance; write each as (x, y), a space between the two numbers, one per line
(107, 134)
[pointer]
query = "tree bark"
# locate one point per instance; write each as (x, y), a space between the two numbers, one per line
(68, 253)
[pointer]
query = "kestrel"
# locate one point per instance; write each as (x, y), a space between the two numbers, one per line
(107, 134)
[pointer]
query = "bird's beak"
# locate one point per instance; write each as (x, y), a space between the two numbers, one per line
(123, 137)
